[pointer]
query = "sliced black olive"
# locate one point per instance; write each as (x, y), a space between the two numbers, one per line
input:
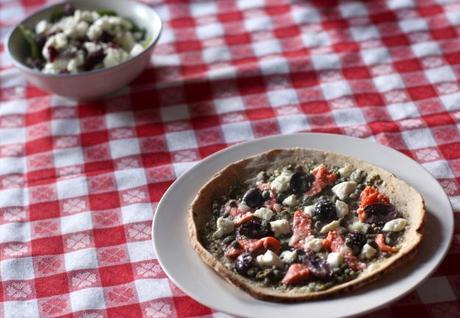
(244, 263)
(325, 210)
(301, 182)
(318, 267)
(280, 197)
(356, 241)
(253, 198)
(254, 229)
(380, 213)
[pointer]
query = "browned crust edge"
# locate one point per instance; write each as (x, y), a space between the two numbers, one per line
(268, 294)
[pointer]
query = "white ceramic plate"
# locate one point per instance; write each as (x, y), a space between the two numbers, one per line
(185, 268)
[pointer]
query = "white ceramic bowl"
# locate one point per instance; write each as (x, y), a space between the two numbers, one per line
(91, 84)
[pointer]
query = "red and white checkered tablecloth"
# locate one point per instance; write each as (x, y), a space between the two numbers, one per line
(79, 182)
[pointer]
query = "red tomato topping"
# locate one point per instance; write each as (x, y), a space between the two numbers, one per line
(252, 245)
(243, 219)
(295, 274)
(323, 178)
(380, 240)
(370, 195)
(336, 243)
(301, 228)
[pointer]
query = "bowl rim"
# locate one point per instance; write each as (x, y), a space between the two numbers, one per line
(26, 68)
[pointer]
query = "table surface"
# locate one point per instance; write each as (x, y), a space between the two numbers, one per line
(79, 182)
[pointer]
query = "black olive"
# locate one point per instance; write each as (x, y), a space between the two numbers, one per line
(325, 210)
(266, 195)
(356, 241)
(318, 267)
(254, 229)
(105, 37)
(93, 59)
(244, 263)
(253, 198)
(380, 213)
(301, 182)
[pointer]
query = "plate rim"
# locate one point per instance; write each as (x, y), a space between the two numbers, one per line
(243, 144)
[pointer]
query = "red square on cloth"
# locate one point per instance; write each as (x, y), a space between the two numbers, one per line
(51, 285)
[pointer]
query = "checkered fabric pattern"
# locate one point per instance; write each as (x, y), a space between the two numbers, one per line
(79, 182)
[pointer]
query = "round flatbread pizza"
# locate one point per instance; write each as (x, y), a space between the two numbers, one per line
(301, 224)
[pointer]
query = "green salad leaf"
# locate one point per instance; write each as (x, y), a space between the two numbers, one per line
(107, 12)
(29, 36)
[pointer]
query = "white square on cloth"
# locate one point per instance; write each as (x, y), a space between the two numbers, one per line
(216, 54)
(325, 61)
(376, 56)
(304, 13)
(203, 8)
(68, 157)
(316, 39)
(293, 123)
(363, 33)
(124, 147)
(208, 31)
(87, 298)
(148, 289)
(274, 65)
(76, 223)
(348, 117)
(72, 187)
(81, 259)
(402, 110)
(61, 127)
(388, 82)
(228, 104)
(140, 251)
(181, 167)
(17, 268)
(262, 48)
(244, 4)
(130, 178)
(354, 9)
(119, 119)
(27, 308)
(179, 140)
(138, 212)
(439, 169)
(440, 74)
(332, 90)
(413, 25)
(451, 102)
(282, 97)
(15, 232)
(418, 138)
(237, 132)
(426, 49)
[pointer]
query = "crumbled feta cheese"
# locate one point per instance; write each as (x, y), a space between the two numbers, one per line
(368, 252)
(280, 227)
(58, 41)
(290, 200)
(55, 67)
(288, 256)
(125, 40)
(330, 226)
(395, 225)
(136, 50)
(269, 259)
(264, 213)
(313, 244)
(114, 57)
(358, 227)
(346, 170)
(334, 259)
(84, 15)
(344, 189)
(224, 227)
(310, 210)
(41, 26)
(281, 182)
(341, 208)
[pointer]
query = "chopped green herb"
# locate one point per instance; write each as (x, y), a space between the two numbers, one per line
(29, 36)
(106, 12)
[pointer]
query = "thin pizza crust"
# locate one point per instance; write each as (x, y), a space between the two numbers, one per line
(405, 198)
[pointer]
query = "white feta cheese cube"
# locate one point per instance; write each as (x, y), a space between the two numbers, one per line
(288, 256)
(269, 259)
(281, 182)
(310, 210)
(330, 226)
(395, 225)
(368, 252)
(280, 227)
(136, 50)
(358, 227)
(41, 26)
(341, 208)
(114, 57)
(264, 213)
(346, 170)
(344, 189)
(290, 200)
(224, 227)
(334, 259)
(313, 244)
